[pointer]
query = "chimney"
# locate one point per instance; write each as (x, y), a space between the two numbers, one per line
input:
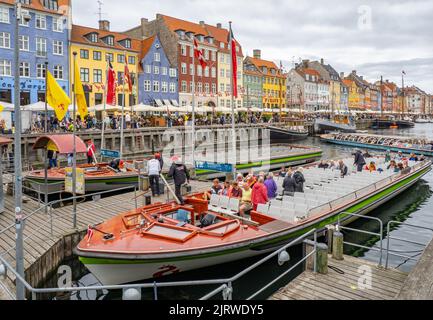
(219, 25)
(257, 53)
(322, 61)
(353, 71)
(342, 75)
(305, 63)
(104, 25)
(201, 23)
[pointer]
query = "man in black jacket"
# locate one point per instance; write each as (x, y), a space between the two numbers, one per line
(299, 179)
(289, 184)
(180, 174)
(359, 160)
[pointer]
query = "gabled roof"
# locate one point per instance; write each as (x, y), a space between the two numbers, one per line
(78, 35)
(332, 71)
(146, 44)
(37, 5)
(175, 24)
(259, 63)
(222, 35)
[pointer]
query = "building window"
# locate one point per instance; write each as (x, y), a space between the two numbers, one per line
(58, 72)
(110, 41)
(84, 74)
(131, 60)
(4, 15)
(24, 69)
(147, 85)
(84, 54)
(173, 87)
(191, 86)
(120, 77)
(40, 70)
(222, 73)
(94, 37)
(221, 87)
(206, 71)
(41, 47)
(58, 48)
(222, 45)
(213, 72)
(183, 86)
(50, 4)
(97, 75)
(164, 86)
(213, 56)
(5, 67)
(200, 87)
(57, 24)
(206, 54)
(164, 71)
(148, 68)
(206, 88)
(183, 50)
(183, 68)
(97, 55)
(157, 57)
(127, 43)
(109, 57)
(213, 88)
(155, 86)
(172, 72)
(155, 70)
(23, 22)
(199, 71)
(191, 69)
(5, 40)
(120, 58)
(24, 43)
(41, 22)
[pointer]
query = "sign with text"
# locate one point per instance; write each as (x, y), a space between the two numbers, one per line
(212, 166)
(110, 153)
(80, 184)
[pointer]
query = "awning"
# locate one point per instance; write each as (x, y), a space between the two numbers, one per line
(159, 102)
(4, 141)
(144, 108)
(62, 143)
(6, 106)
(174, 102)
(167, 102)
(35, 107)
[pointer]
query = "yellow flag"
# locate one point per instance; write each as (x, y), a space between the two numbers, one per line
(56, 97)
(79, 94)
(1, 108)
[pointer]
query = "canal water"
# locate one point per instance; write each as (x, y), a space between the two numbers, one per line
(414, 206)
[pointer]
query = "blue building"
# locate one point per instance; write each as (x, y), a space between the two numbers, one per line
(157, 80)
(42, 39)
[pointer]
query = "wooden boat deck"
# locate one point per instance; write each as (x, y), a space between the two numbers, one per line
(346, 284)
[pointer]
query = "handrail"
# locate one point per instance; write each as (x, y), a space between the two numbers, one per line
(388, 230)
(225, 281)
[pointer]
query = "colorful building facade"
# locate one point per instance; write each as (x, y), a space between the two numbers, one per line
(253, 88)
(95, 48)
(43, 39)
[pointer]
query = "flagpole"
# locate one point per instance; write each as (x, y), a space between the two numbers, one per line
(46, 131)
(193, 105)
(122, 121)
(232, 104)
(74, 148)
(105, 105)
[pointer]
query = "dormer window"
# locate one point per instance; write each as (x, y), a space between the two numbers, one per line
(93, 37)
(109, 40)
(180, 32)
(49, 4)
(222, 45)
(127, 43)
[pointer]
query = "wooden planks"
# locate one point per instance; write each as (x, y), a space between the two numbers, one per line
(346, 280)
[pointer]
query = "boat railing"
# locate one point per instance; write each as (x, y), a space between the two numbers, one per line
(45, 215)
(225, 284)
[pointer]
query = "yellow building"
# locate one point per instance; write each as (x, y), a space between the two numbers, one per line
(274, 81)
(354, 97)
(94, 48)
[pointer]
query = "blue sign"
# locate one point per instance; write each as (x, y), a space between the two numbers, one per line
(110, 153)
(212, 166)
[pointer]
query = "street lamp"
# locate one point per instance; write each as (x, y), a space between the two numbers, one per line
(19, 251)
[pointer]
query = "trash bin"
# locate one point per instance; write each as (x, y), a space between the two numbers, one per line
(143, 183)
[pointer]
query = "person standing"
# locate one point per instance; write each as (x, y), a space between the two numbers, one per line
(153, 170)
(161, 161)
(179, 172)
(259, 194)
(343, 169)
(299, 179)
(359, 161)
(289, 184)
(91, 150)
(271, 186)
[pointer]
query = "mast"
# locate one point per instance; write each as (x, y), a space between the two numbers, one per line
(193, 105)
(232, 103)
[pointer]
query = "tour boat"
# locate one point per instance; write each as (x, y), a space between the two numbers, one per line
(407, 145)
(156, 240)
(422, 120)
(99, 177)
(325, 125)
(287, 134)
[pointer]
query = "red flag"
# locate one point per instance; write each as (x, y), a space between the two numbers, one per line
(199, 55)
(89, 233)
(232, 44)
(111, 86)
(127, 78)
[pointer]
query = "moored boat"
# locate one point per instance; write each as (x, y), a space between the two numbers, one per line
(406, 145)
(325, 125)
(156, 240)
(287, 134)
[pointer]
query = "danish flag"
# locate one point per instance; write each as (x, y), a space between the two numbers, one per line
(199, 54)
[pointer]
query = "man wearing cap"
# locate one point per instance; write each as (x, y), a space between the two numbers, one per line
(180, 174)
(153, 170)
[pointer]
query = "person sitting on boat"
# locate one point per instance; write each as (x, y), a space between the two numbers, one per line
(343, 168)
(236, 191)
(289, 184)
(399, 156)
(388, 156)
(271, 186)
(367, 154)
(359, 160)
(299, 179)
(399, 167)
(226, 189)
(116, 164)
(392, 165)
(180, 173)
(413, 157)
(240, 179)
(259, 194)
(332, 165)
(246, 204)
(371, 167)
(323, 165)
(214, 189)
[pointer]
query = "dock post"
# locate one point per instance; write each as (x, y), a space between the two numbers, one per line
(337, 246)
(321, 257)
(330, 235)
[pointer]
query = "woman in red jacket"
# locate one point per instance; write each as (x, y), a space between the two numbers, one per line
(259, 194)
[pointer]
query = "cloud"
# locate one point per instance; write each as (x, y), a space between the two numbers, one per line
(373, 37)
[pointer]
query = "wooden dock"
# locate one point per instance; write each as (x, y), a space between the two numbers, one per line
(346, 280)
(43, 250)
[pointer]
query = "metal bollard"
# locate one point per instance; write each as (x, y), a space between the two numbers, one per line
(337, 246)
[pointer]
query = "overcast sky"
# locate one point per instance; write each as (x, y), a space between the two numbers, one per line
(373, 37)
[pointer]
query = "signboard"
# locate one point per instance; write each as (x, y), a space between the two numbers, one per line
(212, 166)
(80, 185)
(110, 153)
